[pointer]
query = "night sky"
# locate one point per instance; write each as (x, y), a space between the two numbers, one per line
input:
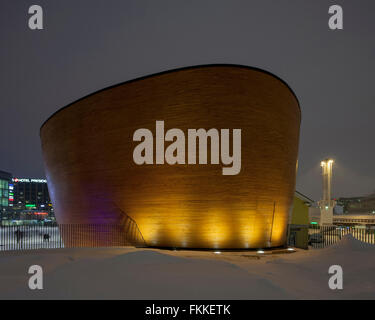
(89, 45)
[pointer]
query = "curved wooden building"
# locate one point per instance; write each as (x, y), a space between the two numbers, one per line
(92, 177)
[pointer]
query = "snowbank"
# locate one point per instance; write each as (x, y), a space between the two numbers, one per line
(128, 273)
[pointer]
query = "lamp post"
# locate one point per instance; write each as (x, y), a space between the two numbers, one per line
(326, 205)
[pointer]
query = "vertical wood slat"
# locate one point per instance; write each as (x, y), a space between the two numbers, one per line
(179, 198)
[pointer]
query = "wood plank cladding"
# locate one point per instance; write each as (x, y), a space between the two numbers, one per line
(88, 156)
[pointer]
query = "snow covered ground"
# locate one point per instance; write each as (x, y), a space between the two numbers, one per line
(129, 273)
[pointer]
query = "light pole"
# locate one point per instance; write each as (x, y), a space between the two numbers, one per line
(326, 205)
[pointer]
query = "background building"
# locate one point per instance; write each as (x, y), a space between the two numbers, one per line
(5, 181)
(24, 201)
(301, 206)
(29, 194)
(30, 202)
(360, 205)
(299, 221)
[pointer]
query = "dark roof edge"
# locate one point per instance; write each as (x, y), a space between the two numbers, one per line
(5, 174)
(173, 70)
(306, 197)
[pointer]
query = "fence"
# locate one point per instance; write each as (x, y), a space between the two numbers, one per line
(28, 237)
(323, 236)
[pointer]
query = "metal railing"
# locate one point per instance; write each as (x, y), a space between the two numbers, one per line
(28, 237)
(323, 236)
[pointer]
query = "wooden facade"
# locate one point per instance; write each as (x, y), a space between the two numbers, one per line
(88, 156)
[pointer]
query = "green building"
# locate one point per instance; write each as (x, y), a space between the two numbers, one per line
(5, 180)
(299, 221)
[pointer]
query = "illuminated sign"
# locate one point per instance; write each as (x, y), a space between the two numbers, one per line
(29, 180)
(313, 223)
(30, 205)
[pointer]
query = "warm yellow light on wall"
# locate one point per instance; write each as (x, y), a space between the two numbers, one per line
(179, 205)
(215, 231)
